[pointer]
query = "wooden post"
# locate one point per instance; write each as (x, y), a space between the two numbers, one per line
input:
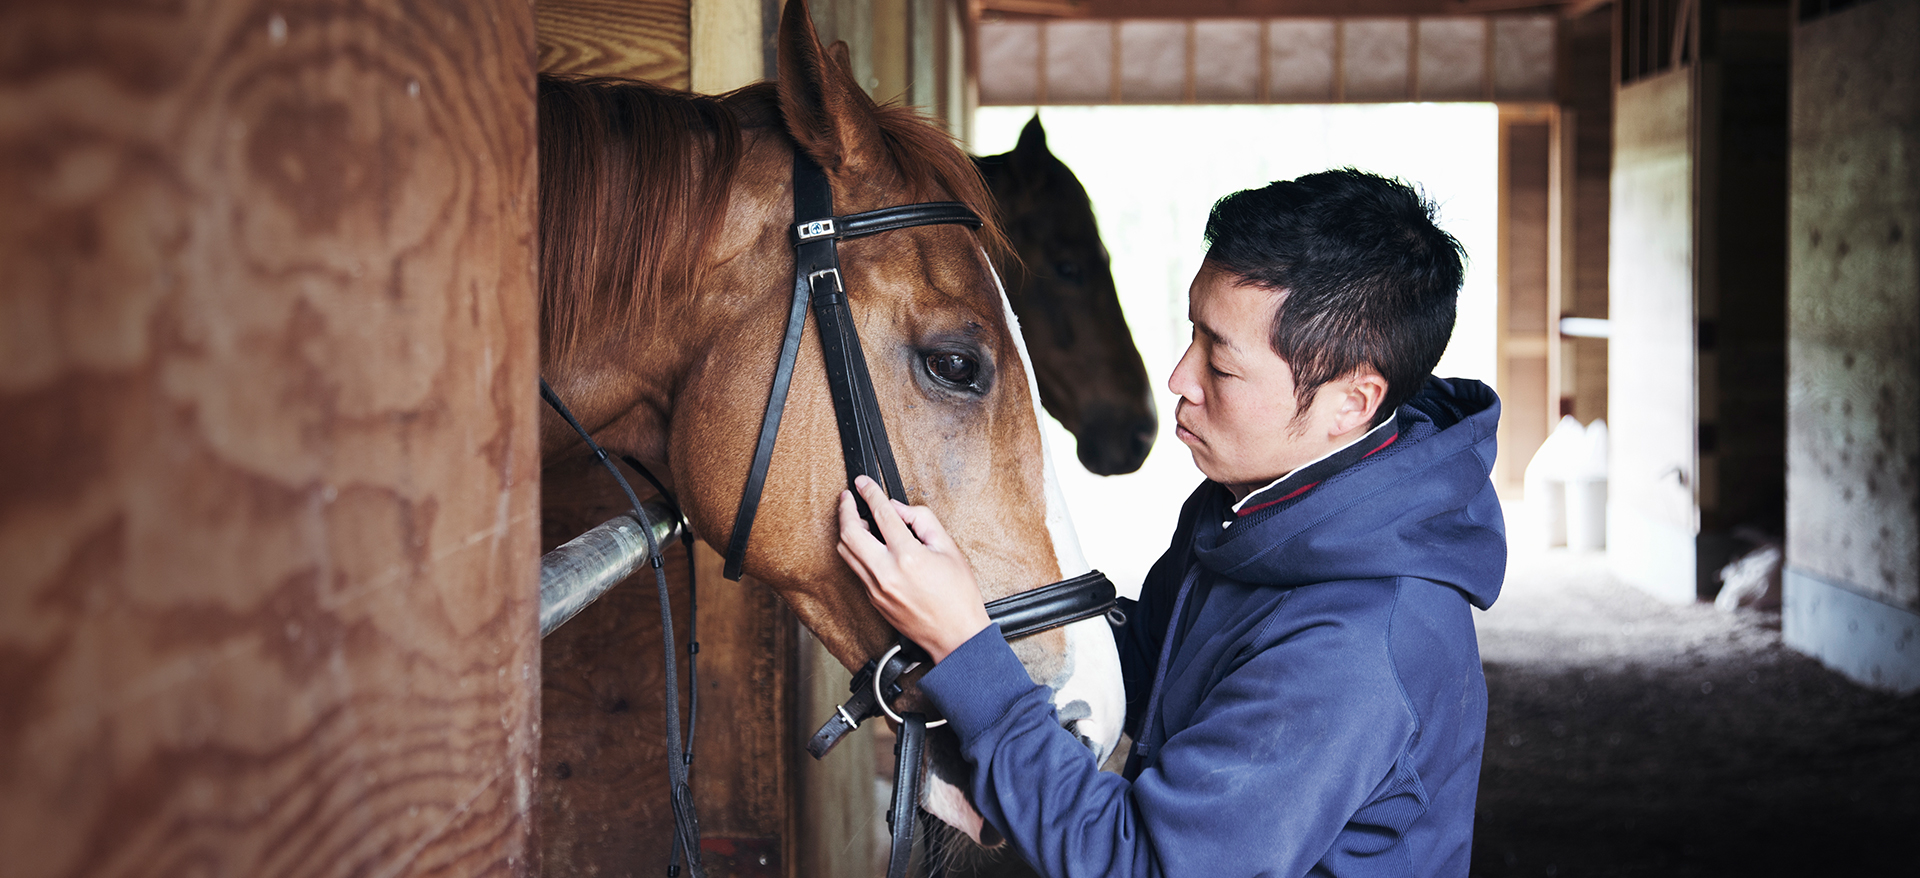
(1524, 321)
(268, 469)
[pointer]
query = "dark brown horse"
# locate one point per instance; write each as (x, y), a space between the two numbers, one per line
(665, 280)
(1091, 377)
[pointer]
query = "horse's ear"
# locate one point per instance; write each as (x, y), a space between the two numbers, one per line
(826, 111)
(1033, 139)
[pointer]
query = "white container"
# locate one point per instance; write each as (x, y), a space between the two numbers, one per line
(1545, 481)
(1587, 492)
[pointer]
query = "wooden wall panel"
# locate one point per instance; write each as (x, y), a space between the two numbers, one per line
(635, 39)
(268, 475)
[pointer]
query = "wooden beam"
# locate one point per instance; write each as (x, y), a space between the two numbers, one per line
(1580, 8)
(1046, 8)
(1310, 8)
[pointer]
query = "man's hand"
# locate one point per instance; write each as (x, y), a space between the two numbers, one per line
(917, 579)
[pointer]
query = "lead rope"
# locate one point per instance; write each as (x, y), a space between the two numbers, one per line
(693, 604)
(686, 824)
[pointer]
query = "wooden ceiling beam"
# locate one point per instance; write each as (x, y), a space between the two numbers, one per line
(1300, 8)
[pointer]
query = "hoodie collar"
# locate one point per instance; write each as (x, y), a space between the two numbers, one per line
(1303, 478)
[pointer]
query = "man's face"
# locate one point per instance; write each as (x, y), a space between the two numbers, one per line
(1237, 409)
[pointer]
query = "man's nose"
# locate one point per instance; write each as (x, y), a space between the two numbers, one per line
(1180, 381)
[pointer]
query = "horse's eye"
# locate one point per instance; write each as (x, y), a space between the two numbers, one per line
(1069, 271)
(953, 368)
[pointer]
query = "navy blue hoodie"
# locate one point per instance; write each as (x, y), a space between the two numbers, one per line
(1304, 687)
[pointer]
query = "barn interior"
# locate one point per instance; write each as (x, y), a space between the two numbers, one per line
(271, 503)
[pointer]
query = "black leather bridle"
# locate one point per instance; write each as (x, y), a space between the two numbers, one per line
(818, 286)
(817, 282)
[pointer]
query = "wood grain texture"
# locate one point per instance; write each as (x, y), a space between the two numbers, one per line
(268, 477)
(1525, 154)
(603, 794)
(634, 39)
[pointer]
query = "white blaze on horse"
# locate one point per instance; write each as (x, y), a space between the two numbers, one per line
(667, 273)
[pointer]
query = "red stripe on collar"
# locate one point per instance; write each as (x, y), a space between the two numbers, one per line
(1380, 446)
(1297, 492)
(1310, 485)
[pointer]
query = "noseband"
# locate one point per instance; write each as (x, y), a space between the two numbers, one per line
(819, 286)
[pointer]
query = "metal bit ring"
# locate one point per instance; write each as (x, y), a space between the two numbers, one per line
(882, 700)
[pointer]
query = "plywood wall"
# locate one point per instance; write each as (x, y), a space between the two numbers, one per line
(1853, 404)
(268, 471)
(1855, 388)
(633, 39)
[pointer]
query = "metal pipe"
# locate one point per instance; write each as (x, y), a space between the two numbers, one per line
(579, 572)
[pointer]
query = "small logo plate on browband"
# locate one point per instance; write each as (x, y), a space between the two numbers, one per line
(807, 231)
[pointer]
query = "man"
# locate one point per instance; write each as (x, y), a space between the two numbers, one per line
(1304, 690)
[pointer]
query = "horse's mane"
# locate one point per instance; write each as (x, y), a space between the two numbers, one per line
(635, 177)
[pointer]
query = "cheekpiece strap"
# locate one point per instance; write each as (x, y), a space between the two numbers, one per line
(818, 284)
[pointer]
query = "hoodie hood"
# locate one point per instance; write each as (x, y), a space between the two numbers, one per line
(1421, 506)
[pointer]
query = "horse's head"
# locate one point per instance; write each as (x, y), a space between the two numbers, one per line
(679, 377)
(1091, 376)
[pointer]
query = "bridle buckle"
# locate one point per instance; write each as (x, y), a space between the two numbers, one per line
(835, 272)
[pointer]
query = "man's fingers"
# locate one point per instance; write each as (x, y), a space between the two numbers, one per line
(854, 536)
(926, 526)
(892, 529)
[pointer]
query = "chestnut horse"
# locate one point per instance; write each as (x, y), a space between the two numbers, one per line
(1090, 375)
(666, 277)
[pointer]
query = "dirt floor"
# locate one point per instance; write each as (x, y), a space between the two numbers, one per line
(1628, 737)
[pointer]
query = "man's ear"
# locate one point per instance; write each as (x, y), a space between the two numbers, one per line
(1361, 394)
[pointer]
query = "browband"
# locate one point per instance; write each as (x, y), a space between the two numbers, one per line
(885, 219)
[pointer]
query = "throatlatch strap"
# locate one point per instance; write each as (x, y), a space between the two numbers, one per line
(769, 430)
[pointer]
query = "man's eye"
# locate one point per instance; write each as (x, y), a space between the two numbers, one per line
(953, 368)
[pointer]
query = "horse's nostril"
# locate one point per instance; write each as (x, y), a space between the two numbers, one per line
(1143, 436)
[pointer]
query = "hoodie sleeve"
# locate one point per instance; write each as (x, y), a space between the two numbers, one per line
(1282, 751)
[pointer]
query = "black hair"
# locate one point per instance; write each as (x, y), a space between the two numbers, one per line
(1366, 277)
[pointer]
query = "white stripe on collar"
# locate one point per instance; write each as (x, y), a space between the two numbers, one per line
(1361, 438)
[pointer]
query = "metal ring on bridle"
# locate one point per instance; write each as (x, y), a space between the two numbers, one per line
(882, 700)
